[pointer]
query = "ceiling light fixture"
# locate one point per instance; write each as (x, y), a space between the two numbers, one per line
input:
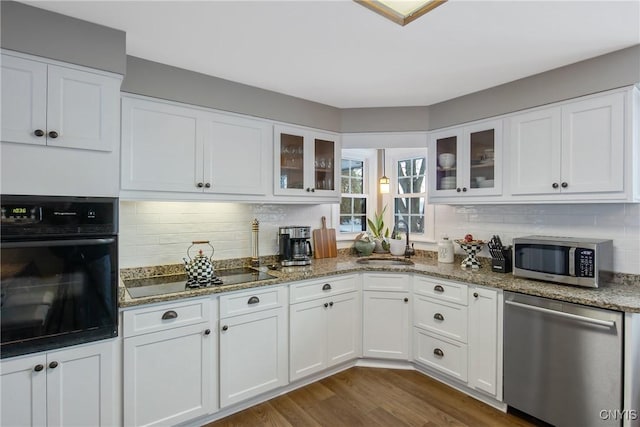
(400, 11)
(384, 182)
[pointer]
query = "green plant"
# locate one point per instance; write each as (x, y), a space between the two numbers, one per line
(376, 227)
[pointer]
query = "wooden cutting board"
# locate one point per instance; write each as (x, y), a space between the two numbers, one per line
(324, 241)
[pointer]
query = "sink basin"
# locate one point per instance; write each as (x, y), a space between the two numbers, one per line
(385, 261)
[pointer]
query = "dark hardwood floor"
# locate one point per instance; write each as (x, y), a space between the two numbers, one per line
(373, 397)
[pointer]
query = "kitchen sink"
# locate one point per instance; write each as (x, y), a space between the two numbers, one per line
(385, 261)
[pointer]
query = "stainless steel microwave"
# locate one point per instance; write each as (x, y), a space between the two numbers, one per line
(572, 261)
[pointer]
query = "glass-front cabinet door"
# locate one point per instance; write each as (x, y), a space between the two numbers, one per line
(305, 162)
(444, 161)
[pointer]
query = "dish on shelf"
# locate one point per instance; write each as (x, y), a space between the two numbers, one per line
(487, 183)
(447, 160)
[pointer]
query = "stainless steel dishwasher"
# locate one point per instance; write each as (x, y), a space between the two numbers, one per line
(562, 361)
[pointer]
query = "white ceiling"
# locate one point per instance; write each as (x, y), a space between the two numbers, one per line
(339, 53)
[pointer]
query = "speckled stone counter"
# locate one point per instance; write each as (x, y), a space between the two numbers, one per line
(623, 295)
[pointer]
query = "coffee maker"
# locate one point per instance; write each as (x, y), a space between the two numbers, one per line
(294, 245)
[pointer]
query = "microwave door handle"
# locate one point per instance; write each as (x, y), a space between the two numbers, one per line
(50, 243)
(572, 262)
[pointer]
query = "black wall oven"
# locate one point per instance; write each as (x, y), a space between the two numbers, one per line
(58, 272)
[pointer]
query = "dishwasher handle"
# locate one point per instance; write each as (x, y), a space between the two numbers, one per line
(607, 323)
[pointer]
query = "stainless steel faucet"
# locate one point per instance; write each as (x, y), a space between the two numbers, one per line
(408, 250)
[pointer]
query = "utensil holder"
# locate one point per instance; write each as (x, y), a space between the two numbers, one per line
(502, 265)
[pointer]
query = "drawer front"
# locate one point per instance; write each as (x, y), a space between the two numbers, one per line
(446, 319)
(252, 301)
(447, 356)
(315, 289)
(166, 316)
(443, 290)
(386, 282)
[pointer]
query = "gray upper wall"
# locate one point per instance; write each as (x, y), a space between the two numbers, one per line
(52, 35)
(176, 84)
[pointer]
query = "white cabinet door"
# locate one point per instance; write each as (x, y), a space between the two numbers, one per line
(23, 383)
(344, 328)
(308, 335)
(80, 386)
(161, 146)
(169, 376)
(235, 154)
(24, 100)
(253, 355)
(82, 108)
(386, 325)
(593, 145)
(535, 145)
(483, 339)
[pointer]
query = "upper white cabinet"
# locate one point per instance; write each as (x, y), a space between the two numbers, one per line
(306, 163)
(58, 106)
(466, 161)
(177, 148)
(575, 148)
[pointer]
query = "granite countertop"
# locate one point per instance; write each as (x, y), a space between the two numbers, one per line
(623, 294)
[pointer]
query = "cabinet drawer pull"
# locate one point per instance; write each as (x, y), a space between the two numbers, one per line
(438, 352)
(170, 315)
(53, 365)
(438, 288)
(475, 295)
(326, 287)
(438, 316)
(53, 134)
(39, 367)
(38, 132)
(225, 327)
(253, 300)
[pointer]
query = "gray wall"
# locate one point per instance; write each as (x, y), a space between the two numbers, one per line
(52, 35)
(389, 119)
(610, 71)
(177, 84)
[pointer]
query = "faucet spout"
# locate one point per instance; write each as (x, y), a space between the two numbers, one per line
(408, 250)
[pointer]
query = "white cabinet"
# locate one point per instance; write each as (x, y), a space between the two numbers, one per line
(466, 161)
(305, 163)
(484, 345)
(386, 311)
(325, 330)
(58, 106)
(253, 343)
(73, 386)
(169, 362)
(574, 148)
(173, 147)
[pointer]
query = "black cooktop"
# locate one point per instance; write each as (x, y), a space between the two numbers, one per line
(153, 286)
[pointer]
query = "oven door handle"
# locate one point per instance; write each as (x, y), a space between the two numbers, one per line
(50, 243)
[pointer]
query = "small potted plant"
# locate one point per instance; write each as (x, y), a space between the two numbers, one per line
(364, 244)
(397, 244)
(379, 232)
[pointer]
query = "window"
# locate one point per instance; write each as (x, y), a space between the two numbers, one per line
(410, 198)
(353, 205)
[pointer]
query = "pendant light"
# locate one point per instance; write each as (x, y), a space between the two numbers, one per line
(384, 182)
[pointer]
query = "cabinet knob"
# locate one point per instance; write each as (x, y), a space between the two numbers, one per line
(200, 185)
(53, 365)
(53, 134)
(555, 185)
(564, 185)
(313, 190)
(38, 132)
(38, 367)
(326, 287)
(458, 189)
(475, 295)
(225, 327)
(331, 304)
(438, 316)
(207, 185)
(464, 189)
(253, 300)
(438, 352)
(207, 331)
(406, 299)
(326, 304)
(308, 189)
(438, 288)
(169, 315)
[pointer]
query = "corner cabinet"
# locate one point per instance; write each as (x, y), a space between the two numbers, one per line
(306, 164)
(73, 386)
(171, 147)
(466, 162)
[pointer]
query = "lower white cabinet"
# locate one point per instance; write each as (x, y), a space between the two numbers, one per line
(169, 374)
(484, 330)
(253, 346)
(324, 332)
(386, 310)
(73, 386)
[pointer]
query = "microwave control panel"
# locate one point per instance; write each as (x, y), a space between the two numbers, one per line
(585, 260)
